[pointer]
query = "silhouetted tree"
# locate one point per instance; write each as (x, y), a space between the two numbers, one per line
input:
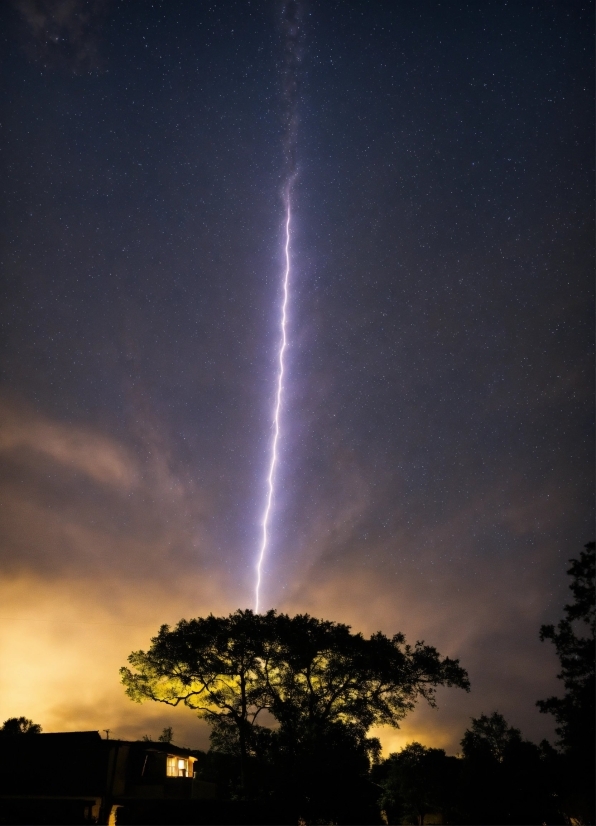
(19, 725)
(489, 738)
(500, 778)
(574, 642)
(167, 735)
(416, 782)
(324, 685)
(504, 777)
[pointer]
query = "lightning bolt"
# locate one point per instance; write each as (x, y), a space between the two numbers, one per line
(278, 400)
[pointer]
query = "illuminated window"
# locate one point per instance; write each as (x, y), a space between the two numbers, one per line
(177, 767)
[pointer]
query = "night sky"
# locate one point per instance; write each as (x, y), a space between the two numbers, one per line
(436, 447)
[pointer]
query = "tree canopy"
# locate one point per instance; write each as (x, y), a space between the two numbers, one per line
(574, 712)
(19, 725)
(318, 672)
(310, 674)
(490, 736)
(416, 782)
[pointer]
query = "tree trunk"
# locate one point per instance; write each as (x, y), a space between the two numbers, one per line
(243, 735)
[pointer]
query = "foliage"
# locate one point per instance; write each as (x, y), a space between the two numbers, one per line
(574, 712)
(321, 683)
(500, 778)
(306, 672)
(417, 782)
(167, 735)
(319, 688)
(318, 673)
(505, 779)
(490, 737)
(19, 725)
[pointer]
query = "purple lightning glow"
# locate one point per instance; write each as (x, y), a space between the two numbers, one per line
(284, 341)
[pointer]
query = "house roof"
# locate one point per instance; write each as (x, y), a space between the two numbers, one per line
(165, 748)
(87, 737)
(71, 736)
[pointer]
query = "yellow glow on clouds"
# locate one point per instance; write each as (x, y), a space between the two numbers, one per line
(102, 545)
(62, 644)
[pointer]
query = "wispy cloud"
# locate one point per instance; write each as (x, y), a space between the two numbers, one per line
(75, 448)
(102, 543)
(74, 499)
(62, 643)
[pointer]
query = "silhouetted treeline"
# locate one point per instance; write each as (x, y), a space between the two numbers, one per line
(575, 713)
(499, 779)
(324, 687)
(320, 688)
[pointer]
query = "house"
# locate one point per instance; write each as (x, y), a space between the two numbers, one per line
(78, 777)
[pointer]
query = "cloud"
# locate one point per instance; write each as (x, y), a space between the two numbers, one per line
(104, 540)
(102, 543)
(63, 33)
(76, 448)
(76, 500)
(62, 644)
(492, 631)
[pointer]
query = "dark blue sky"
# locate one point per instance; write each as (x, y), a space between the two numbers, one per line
(436, 465)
